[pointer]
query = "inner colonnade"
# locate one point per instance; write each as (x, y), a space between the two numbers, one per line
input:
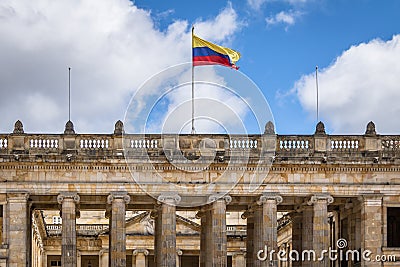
(116, 200)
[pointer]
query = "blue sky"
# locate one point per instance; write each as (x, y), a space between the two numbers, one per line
(114, 46)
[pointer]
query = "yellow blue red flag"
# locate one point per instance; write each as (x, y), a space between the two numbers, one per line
(206, 53)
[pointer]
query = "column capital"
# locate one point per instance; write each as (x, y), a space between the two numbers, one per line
(320, 198)
(200, 214)
(140, 251)
(118, 195)
(371, 199)
(17, 196)
(68, 195)
(269, 198)
(247, 213)
(179, 252)
(170, 198)
(215, 197)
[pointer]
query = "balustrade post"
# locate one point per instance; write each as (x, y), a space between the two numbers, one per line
(321, 142)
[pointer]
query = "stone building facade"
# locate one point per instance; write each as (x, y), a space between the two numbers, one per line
(121, 199)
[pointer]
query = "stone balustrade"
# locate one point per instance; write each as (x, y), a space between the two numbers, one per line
(319, 146)
(81, 229)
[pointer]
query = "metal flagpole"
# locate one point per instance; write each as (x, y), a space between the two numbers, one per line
(193, 129)
(316, 82)
(69, 94)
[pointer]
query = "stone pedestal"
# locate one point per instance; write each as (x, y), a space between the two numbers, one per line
(17, 229)
(140, 257)
(68, 201)
(118, 202)
(371, 227)
(321, 228)
(165, 236)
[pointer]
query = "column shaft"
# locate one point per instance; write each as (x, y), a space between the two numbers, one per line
(250, 242)
(68, 202)
(265, 230)
(371, 228)
(321, 231)
(238, 260)
(18, 229)
(307, 234)
(203, 238)
(167, 237)
(118, 203)
(139, 257)
(270, 228)
(219, 238)
(258, 237)
(296, 237)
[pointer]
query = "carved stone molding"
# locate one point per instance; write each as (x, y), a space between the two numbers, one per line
(18, 127)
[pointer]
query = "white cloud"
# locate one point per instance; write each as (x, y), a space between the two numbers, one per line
(288, 18)
(111, 45)
(256, 4)
(361, 85)
(217, 29)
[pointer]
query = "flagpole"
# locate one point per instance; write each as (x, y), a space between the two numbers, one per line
(193, 129)
(69, 94)
(316, 82)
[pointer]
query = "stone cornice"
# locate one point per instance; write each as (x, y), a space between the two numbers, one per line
(144, 167)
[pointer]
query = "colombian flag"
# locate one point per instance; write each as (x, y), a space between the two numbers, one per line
(206, 53)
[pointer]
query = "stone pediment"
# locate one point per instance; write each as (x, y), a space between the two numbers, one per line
(143, 224)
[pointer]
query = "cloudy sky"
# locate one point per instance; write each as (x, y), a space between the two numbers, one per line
(115, 46)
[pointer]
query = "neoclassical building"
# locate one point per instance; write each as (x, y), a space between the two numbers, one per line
(121, 199)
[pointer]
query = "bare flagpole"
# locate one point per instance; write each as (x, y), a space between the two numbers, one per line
(316, 82)
(193, 129)
(69, 94)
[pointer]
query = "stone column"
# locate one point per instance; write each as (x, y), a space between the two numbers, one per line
(140, 257)
(165, 235)
(249, 215)
(179, 253)
(17, 229)
(103, 258)
(265, 229)
(118, 201)
(371, 228)
(238, 259)
(307, 234)
(218, 230)
(203, 216)
(297, 218)
(68, 201)
(321, 227)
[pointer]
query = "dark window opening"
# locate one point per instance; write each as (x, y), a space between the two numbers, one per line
(393, 227)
